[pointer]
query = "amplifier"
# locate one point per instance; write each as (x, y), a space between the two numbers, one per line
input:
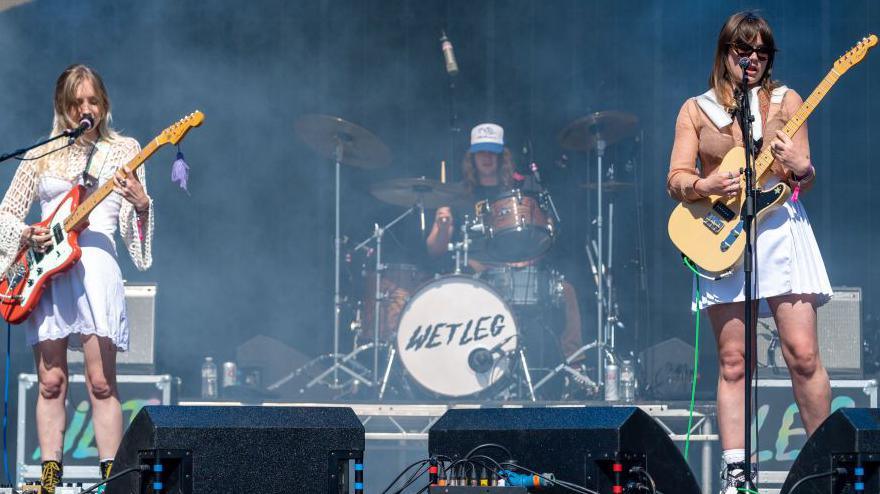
(839, 325)
(140, 308)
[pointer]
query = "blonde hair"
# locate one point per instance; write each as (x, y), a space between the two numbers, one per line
(505, 170)
(65, 98)
(742, 27)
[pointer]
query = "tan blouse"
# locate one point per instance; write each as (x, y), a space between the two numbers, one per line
(697, 136)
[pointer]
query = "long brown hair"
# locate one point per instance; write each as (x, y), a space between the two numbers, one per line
(65, 97)
(742, 27)
(505, 170)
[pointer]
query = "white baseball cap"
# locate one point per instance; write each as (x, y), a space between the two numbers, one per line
(487, 137)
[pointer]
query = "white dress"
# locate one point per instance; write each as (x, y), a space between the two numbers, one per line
(788, 257)
(89, 298)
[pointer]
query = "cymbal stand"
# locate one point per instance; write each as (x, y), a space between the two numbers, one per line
(378, 233)
(607, 319)
(339, 361)
(600, 295)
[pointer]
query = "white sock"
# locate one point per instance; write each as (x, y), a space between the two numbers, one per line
(729, 456)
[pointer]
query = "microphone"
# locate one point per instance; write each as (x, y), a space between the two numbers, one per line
(534, 168)
(448, 55)
(480, 360)
(744, 63)
(85, 124)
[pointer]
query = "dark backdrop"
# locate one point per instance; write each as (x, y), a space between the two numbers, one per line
(249, 251)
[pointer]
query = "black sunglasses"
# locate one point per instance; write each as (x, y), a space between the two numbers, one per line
(746, 50)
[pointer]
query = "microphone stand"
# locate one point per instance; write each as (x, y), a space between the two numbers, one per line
(745, 118)
(72, 134)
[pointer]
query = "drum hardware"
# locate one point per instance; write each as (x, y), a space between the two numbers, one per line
(378, 233)
(597, 131)
(348, 143)
(578, 376)
(461, 249)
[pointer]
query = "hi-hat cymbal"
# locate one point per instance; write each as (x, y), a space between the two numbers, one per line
(359, 147)
(611, 126)
(607, 185)
(409, 191)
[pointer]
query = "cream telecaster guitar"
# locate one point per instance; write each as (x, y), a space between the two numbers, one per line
(24, 282)
(709, 231)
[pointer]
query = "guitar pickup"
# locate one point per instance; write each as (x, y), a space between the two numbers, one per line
(723, 211)
(58, 233)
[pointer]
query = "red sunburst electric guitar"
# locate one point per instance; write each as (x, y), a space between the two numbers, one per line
(23, 284)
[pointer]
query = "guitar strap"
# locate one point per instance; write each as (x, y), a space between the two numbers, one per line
(98, 153)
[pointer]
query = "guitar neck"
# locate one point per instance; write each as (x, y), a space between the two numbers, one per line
(765, 159)
(91, 202)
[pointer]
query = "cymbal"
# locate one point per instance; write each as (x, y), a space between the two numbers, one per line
(611, 126)
(409, 191)
(359, 146)
(607, 185)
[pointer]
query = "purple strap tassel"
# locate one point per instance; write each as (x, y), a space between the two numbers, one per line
(180, 171)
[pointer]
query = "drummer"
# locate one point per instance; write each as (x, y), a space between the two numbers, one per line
(488, 171)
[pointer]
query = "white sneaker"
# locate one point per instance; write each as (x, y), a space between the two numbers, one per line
(733, 477)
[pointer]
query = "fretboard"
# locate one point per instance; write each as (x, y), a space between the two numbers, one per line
(91, 202)
(765, 159)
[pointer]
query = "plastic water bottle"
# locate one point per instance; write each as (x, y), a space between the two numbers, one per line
(627, 381)
(209, 379)
(611, 382)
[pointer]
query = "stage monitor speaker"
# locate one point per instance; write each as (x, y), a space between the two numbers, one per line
(839, 327)
(849, 438)
(226, 450)
(576, 444)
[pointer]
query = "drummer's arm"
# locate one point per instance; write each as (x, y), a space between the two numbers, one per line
(441, 232)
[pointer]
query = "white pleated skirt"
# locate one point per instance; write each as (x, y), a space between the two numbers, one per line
(788, 262)
(89, 299)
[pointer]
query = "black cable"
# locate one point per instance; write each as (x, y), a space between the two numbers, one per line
(47, 153)
(561, 483)
(139, 468)
(415, 476)
(837, 472)
(402, 473)
(638, 469)
(489, 445)
(500, 468)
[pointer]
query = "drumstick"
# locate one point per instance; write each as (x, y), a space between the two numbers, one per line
(443, 172)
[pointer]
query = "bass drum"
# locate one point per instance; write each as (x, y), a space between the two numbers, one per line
(456, 337)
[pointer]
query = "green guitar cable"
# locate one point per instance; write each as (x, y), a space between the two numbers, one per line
(687, 443)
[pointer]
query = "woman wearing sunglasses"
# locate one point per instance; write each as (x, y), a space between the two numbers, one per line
(790, 280)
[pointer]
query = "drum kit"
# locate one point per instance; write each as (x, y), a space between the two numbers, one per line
(456, 335)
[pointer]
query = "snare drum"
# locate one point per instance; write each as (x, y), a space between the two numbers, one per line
(526, 285)
(517, 225)
(456, 336)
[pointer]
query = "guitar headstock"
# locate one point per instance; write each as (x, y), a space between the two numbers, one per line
(175, 132)
(856, 54)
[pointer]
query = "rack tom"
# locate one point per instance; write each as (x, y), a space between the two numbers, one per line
(518, 225)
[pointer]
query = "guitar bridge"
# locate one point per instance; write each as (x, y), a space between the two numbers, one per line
(713, 222)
